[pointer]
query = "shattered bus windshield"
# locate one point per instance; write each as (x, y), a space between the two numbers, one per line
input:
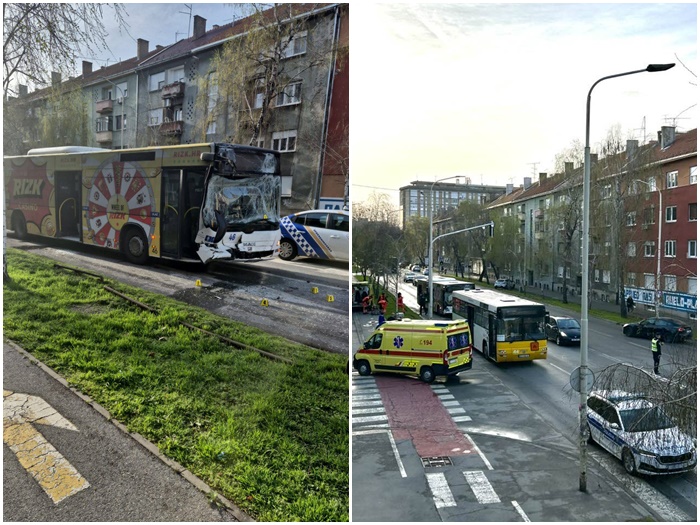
(243, 201)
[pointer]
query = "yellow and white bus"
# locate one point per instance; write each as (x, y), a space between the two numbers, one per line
(207, 201)
(504, 328)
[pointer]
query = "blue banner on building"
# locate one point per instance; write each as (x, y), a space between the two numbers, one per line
(682, 302)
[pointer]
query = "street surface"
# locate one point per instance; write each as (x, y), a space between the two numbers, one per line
(307, 298)
(522, 422)
(119, 480)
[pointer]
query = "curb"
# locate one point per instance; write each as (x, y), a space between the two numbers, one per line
(196, 482)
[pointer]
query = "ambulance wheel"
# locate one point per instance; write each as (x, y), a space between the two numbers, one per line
(427, 374)
(363, 368)
(287, 250)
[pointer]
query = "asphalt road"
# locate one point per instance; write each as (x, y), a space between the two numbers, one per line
(510, 406)
(307, 299)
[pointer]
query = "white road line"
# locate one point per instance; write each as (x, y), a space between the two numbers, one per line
(373, 410)
(362, 398)
(365, 386)
(560, 369)
(446, 396)
(481, 487)
(369, 419)
(369, 403)
(520, 511)
(450, 403)
(456, 411)
(461, 419)
(442, 495)
(610, 357)
(402, 470)
(478, 451)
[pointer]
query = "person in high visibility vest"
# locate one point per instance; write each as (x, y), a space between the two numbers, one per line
(656, 352)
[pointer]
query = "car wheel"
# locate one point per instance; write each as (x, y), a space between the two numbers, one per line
(628, 461)
(287, 250)
(627, 332)
(589, 434)
(363, 368)
(427, 374)
(135, 246)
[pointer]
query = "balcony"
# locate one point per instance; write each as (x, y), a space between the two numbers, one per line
(104, 136)
(174, 90)
(171, 128)
(539, 235)
(521, 216)
(539, 213)
(104, 106)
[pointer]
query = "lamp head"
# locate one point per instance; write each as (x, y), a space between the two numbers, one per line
(653, 68)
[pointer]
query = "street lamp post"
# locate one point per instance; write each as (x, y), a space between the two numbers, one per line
(121, 133)
(430, 247)
(657, 292)
(583, 370)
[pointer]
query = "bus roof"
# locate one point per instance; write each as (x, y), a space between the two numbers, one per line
(492, 299)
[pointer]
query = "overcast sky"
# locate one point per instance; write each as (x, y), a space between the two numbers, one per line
(488, 90)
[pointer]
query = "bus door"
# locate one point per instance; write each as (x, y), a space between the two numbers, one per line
(493, 332)
(68, 203)
(180, 212)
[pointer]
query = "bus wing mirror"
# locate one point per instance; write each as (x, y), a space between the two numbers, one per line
(207, 157)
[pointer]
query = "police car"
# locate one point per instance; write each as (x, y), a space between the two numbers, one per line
(316, 233)
(638, 432)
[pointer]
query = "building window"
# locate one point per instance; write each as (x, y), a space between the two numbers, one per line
(103, 124)
(670, 283)
(284, 140)
(607, 191)
(649, 215)
(693, 285)
(155, 117)
(260, 143)
(693, 174)
(631, 279)
(651, 183)
(693, 249)
(596, 275)
(649, 281)
(606, 276)
(670, 248)
(671, 179)
(122, 90)
(290, 95)
(631, 249)
(176, 75)
(211, 128)
(693, 211)
(632, 218)
(649, 249)
(118, 122)
(156, 81)
(297, 46)
(671, 213)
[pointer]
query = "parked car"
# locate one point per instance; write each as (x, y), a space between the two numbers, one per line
(671, 330)
(316, 233)
(505, 284)
(408, 277)
(639, 433)
(563, 330)
(415, 268)
(426, 271)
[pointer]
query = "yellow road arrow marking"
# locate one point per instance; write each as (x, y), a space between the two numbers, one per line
(50, 469)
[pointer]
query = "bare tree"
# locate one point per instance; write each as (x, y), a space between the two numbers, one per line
(39, 38)
(565, 220)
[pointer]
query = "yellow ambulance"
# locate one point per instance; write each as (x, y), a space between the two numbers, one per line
(417, 347)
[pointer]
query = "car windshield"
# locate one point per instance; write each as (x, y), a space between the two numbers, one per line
(645, 419)
(568, 323)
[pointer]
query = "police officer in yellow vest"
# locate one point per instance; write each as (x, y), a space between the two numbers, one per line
(656, 351)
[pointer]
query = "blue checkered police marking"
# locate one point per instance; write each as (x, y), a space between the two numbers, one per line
(303, 239)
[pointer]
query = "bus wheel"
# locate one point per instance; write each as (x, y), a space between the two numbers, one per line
(287, 250)
(363, 368)
(19, 225)
(135, 246)
(427, 374)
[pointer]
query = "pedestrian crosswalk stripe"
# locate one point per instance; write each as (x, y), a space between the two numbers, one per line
(442, 495)
(461, 419)
(369, 419)
(456, 411)
(367, 403)
(376, 410)
(481, 487)
(365, 397)
(446, 396)
(450, 403)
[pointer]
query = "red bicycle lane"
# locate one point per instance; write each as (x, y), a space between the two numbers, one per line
(414, 412)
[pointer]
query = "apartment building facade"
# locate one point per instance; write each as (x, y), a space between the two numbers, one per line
(157, 98)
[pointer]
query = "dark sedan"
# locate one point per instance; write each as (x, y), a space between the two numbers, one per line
(671, 330)
(563, 330)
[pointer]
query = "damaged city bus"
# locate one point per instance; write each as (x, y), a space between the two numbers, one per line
(206, 201)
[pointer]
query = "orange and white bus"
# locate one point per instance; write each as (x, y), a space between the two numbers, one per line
(207, 201)
(504, 327)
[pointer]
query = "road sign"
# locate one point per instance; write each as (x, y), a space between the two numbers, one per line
(48, 467)
(575, 379)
